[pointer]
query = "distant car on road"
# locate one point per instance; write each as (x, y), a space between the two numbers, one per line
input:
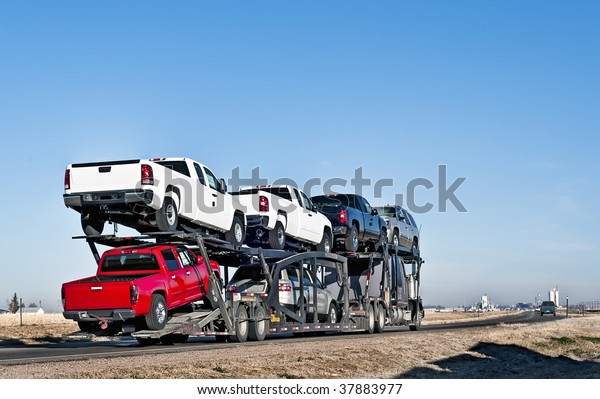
(548, 307)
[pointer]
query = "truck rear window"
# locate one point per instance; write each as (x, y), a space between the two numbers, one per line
(334, 200)
(177, 166)
(129, 262)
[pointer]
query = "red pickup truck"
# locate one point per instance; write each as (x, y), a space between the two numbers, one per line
(137, 285)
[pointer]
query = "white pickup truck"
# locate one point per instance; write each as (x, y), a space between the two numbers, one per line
(282, 215)
(159, 194)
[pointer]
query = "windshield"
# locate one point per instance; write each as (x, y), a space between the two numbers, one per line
(386, 210)
(129, 263)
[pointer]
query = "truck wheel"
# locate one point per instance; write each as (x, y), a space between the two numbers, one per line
(167, 218)
(259, 328)
(380, 324)
(370, 320)
(157, 318)
(395, 238)
(277, 237)
(92, 225)
(332, 315)
(326, 243)
(241, 325)
(416, 319)
(237, 233)
(351, 241)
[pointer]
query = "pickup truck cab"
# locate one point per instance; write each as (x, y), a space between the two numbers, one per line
(159, 194)
(282, 215)
(137, 285)
(354, 221)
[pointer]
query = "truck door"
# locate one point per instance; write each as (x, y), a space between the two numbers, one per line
(176, 279)
(212, 208)
(372, 227)
(403, 227)
(311, 223)
(194, 285)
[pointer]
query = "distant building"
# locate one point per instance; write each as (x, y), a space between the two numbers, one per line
(33, 311)
(553, 296)
(4, 311)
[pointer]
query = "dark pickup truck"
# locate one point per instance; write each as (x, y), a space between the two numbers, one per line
(355, 223)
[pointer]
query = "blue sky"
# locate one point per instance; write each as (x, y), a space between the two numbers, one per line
(505, 94)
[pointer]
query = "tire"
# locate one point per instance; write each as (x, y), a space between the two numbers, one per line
(157, 318)
(237, 233)
(174, 339)
(259, 329)
(147, 341)
(277, 237)
(395, 238)
(91, 224)
(88, 326)
(241, 328)
(326, 242)
(167, 218)
(332, 315)
(351, 241)
(380, 323)
(416, 319)
(370, 320)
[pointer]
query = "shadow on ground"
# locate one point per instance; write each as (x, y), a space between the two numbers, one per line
(493, 361)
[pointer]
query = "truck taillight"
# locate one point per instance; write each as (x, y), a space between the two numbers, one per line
(285, 287)
(263, 204)
(147, 174)
(232, 288)
(134, 294)
(68, 179)
(343, 216)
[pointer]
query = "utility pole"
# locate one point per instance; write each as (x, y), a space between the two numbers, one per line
(567, 306)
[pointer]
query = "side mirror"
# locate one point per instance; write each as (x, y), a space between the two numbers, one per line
(222, 186)
(314, 208)
(374, 212)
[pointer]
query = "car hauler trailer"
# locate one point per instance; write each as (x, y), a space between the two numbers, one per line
(371, 290)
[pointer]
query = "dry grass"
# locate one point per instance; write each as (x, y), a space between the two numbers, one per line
(564, 348)
(35, 328)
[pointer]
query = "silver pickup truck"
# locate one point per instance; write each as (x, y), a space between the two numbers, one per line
(402, 228)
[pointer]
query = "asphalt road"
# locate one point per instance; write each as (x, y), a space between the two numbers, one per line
(20, 354)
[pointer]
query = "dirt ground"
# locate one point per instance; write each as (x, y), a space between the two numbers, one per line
(565, 348)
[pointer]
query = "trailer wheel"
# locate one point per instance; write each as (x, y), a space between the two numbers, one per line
(332, 315)
(259, 327)
(237, 233)
(277, 237)
(370, 320)
(241, 328)
(157, 318)
(167, 217)
(351, 241)
(380, 325)
(91, 224)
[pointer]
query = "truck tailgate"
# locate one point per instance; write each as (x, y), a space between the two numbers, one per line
(90, 295)
(105, 176)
